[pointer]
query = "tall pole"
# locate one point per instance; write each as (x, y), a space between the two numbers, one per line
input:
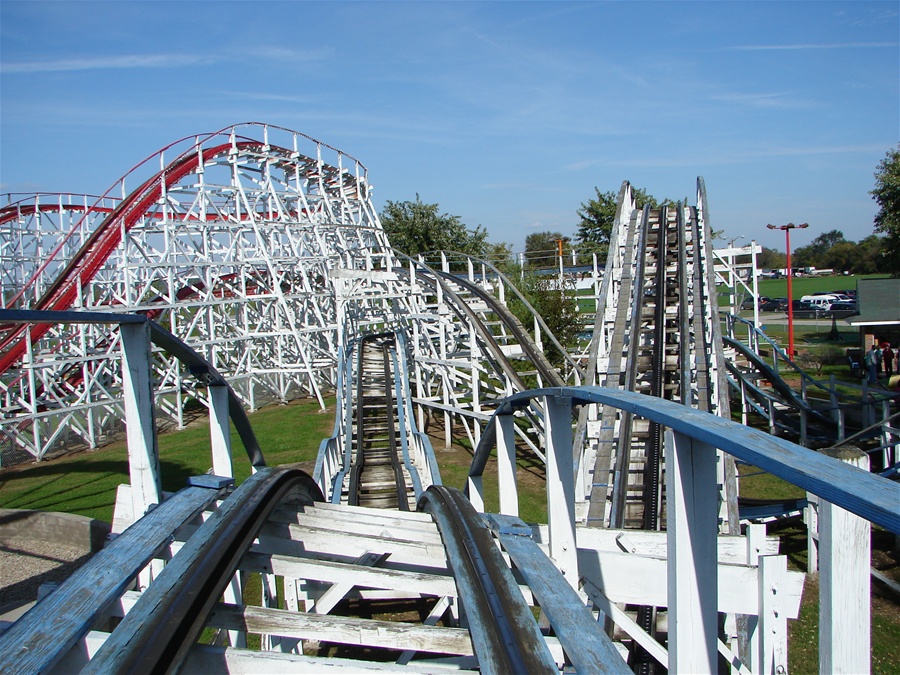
(790, 276)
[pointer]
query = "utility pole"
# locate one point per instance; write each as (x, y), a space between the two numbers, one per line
(790, 275)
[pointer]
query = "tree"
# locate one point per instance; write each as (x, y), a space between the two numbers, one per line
(500, 255)
(770, 259)
(556, 304)
(887, 220)
(542, 250)
(416, 227)
(598, 216)
(813, 255)
(871, 255)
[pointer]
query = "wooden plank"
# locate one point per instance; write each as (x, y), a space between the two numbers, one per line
(204, 660)
(47, 632)
(385, 527)
(730, 548)
(326, 602)
(561, 486)
(343, 573)
(627, 624)
(294, 540)
(691, 519)
(641, 580)
(343, 629)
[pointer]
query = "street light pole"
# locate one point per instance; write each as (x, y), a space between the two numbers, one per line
(790, 296)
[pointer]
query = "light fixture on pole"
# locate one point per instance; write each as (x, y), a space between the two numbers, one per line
(790, 274)
(731, 242)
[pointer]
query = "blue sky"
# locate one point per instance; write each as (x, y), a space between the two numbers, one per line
(507, 114)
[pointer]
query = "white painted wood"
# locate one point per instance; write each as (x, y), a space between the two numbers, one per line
(345, 630)
(137, 391)
(363, 525)
(439, 609)
(293, 540)
(220, 431)
(626, 623)
(506, 465)
(342, 573)
(811, 519)
(731, 548)
(641, 580)
(844, 586)
(475, 492)
(692, 524)
(771, 627)
(338, 591)
(347, 512)
(80, 653)
(561, 486)
(204, 660)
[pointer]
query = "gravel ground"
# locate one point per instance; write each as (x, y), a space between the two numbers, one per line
(26, 563)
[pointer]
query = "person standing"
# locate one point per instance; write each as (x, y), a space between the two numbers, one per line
(887, 358)
(877, 359)
(872, 364)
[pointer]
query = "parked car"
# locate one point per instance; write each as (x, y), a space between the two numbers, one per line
(748, 302)
(842, 310)
(782, 303)
(771, 306)
(802, 309)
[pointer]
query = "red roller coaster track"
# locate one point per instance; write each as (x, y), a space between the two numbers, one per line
(104, 240)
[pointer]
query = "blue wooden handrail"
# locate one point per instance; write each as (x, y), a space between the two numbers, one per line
(868, 495)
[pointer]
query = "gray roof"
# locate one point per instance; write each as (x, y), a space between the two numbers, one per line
(878, 301)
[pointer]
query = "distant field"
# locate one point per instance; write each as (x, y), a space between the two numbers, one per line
(777, 288)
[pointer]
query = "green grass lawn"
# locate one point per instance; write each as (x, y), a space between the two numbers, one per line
(85, 483)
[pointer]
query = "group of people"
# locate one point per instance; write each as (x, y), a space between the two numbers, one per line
(879, 358)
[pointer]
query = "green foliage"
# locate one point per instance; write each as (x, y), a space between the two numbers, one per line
(417, 227)
(770, 259)
(887, 220)
(542, 249)
(556, 305)
(812, 255)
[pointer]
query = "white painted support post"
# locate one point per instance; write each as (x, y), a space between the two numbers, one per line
(811, 519)
(137, 389)
(506, 465)
(771, 632)
(844, 583)
(475, 493)
(692, 528)
(220, 431)
(561, 486)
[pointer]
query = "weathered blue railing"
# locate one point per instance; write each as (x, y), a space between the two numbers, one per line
(692, 507)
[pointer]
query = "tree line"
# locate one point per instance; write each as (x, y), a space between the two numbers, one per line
(417, 227)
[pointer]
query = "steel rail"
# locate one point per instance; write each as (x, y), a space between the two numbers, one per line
(164, 624)
(504, 633)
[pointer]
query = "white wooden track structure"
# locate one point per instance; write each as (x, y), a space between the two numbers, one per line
(238, 268)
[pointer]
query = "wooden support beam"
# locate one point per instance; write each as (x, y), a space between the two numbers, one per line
(844, 582)
(506, 466)
(692, 524)
(561, 486)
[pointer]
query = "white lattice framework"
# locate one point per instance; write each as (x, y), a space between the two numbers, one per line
(258, 246)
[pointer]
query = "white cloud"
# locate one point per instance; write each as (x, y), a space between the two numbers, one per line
(124, 62)
(824, 45)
